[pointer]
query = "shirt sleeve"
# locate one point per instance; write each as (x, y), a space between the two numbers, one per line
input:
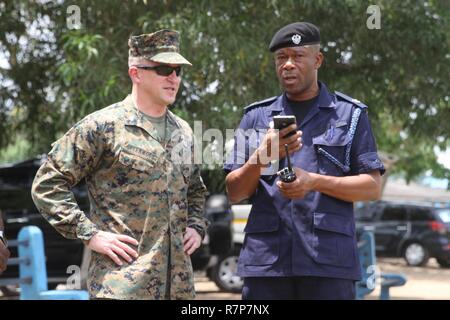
(239, 154)
(364, 156)
(70, 160)
(196, 202)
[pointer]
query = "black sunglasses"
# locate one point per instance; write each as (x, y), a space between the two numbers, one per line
(163, 70)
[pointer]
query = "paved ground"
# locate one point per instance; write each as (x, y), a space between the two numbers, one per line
(424, 283)
(430, 282)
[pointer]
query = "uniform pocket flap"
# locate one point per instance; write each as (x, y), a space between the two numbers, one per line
(334, 223)
(337, 137)
(262, 223)
(135, 161)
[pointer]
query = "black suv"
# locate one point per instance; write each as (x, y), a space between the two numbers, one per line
(18, 210)
(415, 232)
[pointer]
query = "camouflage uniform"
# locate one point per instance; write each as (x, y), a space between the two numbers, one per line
(136, 187)
(161, 46)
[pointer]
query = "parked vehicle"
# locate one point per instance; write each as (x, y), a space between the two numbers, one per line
(415, 232)
(224, 272)
(18, 210)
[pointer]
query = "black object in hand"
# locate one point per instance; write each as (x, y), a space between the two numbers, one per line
(281, 122)
(287, 174)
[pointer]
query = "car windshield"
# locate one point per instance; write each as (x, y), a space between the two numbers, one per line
(364, 211)
(444, 215)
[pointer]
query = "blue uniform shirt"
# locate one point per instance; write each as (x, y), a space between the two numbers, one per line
(313, 236)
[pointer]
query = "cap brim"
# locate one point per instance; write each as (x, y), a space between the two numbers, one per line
(170, 58)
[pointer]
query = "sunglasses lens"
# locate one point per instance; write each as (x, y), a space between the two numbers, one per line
(167, 70)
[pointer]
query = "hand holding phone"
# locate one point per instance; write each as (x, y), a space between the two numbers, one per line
(289, 136)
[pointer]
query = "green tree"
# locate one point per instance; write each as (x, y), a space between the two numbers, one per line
(52, 76)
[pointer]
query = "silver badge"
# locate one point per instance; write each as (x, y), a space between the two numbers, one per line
(296, 38)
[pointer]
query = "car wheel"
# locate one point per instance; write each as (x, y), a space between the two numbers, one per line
(224, 273)
(443, 263)
(416, 254)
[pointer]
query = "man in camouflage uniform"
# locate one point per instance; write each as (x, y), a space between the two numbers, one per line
(146, 193)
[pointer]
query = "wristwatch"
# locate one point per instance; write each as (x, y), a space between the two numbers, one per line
(3, 239)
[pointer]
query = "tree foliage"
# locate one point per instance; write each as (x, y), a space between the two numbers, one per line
(51, 76)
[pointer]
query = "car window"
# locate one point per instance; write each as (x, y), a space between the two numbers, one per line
(15, 178)
(393, 214)
(364, 211)
(444, 214)
(420, 214)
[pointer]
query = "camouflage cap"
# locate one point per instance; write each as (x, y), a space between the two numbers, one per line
(161, 46)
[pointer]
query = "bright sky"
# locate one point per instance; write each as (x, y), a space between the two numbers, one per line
(444, 158)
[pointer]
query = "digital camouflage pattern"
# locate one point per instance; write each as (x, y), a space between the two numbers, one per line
(136, 187)
(160, 46)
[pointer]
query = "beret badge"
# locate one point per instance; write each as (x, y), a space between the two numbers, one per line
(296, 38)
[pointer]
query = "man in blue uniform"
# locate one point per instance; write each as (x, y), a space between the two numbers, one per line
(300, 237)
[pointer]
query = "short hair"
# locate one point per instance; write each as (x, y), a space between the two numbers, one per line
(314, 47)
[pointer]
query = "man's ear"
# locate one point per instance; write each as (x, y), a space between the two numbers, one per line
(319, 60)
(134, 74)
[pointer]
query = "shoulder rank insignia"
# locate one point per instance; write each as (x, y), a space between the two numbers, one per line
(354, 101)
(261, 103)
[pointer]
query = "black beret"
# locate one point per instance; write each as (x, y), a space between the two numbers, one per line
(296, 34)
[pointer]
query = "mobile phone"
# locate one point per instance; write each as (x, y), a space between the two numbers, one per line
(281, 122)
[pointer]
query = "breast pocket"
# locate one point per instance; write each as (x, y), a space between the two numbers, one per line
(133, 162)
(334, 240)
(330, 147)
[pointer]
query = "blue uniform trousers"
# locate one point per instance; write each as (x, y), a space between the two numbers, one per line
(298, 288)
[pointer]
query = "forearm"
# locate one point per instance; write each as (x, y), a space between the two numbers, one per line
(242, 182)
(363, 187)
(52, 195)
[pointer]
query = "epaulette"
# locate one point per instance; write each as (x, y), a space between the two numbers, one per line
(261, 103)
(345, 97)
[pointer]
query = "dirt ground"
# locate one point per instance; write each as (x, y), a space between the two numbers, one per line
(423, 283)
